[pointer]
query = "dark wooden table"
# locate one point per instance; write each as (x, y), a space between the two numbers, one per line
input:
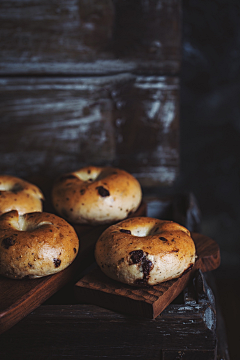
(191, 327)
(185, 330)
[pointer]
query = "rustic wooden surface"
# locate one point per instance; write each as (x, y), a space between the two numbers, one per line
(89, 37)
(50, 126)
(19, 297)
(96, 288)
(68, 38)
(186, 330)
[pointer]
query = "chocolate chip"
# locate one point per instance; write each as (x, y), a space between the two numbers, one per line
(102, 191)
(75, 250)
(125, 231)
(136, 256)
(7, 242)
(82, 191)
(57, 262)
(146, 266)
(163, 238)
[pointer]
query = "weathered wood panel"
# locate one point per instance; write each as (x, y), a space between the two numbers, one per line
(89, 37)
(49, 126)
(148, 129)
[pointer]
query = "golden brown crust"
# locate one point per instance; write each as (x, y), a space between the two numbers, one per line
(35, 244)
(20, 195)
(144, 250)
(96, 195)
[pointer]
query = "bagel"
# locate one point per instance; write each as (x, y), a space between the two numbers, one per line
(36, 244)
(145, 251)
(20, 195)
(96, 195)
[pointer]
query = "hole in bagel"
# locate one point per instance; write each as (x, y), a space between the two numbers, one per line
(11, 187)
(95, 174)
(24, 225)
(85, 175)
(145, 230)
(31, 227)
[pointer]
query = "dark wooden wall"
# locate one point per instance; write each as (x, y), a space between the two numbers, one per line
(90, 82)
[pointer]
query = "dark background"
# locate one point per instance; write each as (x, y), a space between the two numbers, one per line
(210, 136)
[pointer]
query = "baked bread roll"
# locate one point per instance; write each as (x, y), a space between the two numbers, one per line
(20, 195)
(145, 251)
(36, 244)
(96, 195)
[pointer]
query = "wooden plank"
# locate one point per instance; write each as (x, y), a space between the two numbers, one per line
(50, 126)
(77, 331)
(89, 37)
(96, 288)
(67, 333)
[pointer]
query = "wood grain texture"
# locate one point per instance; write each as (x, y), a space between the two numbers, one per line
(89, 332)
(89, 37)
(50, 126)
(96, 288)
(19, 297)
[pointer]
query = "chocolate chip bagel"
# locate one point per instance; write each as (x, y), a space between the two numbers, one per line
(96, 195)
(36, 244)
(20, 195)
(145, 251)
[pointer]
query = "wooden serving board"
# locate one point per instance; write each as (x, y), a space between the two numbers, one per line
(96, 288)
(19, 297)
